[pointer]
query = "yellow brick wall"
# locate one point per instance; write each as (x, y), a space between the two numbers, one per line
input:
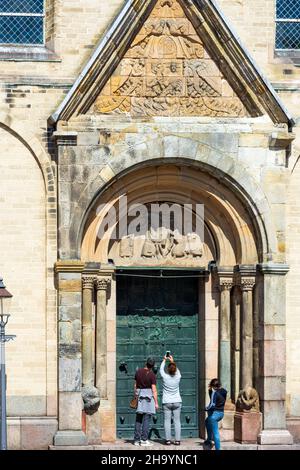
(23, 265)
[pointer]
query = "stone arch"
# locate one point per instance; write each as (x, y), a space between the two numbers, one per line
(191, 151)
(34, 146)
(238, 238)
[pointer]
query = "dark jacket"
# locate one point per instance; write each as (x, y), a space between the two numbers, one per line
(219, 399)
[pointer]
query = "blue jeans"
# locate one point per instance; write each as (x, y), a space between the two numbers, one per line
(212, 427)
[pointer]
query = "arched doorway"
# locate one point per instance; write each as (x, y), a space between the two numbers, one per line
(134, 306)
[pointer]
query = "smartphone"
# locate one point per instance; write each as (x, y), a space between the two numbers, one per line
(168, 354)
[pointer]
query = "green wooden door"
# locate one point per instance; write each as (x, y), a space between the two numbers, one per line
(155, 315)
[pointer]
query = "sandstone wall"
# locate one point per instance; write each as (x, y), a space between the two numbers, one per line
(30, 90)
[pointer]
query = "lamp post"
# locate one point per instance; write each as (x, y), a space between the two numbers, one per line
(5, 298)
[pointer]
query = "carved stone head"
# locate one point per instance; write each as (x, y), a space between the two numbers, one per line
(91, 399)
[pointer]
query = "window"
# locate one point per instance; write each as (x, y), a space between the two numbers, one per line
(22, 22)
(288, 24)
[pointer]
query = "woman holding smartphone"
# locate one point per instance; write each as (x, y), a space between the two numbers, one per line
(172, 401)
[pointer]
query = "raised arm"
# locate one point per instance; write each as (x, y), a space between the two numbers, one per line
(162, 369)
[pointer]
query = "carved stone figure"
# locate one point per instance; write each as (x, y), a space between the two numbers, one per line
(149, 248)
(248, 400)
(164, 241)
(169, 8)
(180, 249)
(195, 245)
(127, 247)
(91, 399)
(137, 68)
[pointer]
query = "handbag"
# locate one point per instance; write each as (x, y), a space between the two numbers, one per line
(134, 403)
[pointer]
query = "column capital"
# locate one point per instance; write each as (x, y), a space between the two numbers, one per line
(225, 284)
(102, 283)
(247, 283)
(225, 277)
(88, 282)
(246, 276)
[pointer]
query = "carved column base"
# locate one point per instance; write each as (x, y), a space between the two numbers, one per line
(275, 437)
(247, 426)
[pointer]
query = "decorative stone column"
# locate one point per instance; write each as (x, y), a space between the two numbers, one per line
(272, 347)
(236, 339)
(225, 286)
(256, 310)
(247, 420)
(247, 279)
(102, 284)
(87, 330)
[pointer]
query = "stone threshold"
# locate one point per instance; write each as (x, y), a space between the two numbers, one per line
(189, 444)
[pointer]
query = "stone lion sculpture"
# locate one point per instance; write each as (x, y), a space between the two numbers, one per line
(248, 400)
(91, 399)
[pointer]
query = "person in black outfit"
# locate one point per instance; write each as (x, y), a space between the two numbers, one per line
(215, 411)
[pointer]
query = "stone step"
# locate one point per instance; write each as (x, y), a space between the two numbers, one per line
(190, 444)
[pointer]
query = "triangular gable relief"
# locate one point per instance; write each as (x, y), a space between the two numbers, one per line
(167, 72)
(173, 58)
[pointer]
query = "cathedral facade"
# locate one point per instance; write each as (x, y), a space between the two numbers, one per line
(149, 105)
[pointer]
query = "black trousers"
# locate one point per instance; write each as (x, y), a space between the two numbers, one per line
(142, 425)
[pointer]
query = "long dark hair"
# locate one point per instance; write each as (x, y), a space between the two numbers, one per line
(215, 383)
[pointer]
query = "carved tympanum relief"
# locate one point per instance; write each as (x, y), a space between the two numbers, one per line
(166, 72)
(161, 246)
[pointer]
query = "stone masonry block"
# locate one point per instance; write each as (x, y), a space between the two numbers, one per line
(69, 374)
(273, 415)
(70, 416)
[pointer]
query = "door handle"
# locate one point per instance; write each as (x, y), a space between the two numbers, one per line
(123, 367)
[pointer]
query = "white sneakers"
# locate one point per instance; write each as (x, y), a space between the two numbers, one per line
(146, 443)
(143, 443)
